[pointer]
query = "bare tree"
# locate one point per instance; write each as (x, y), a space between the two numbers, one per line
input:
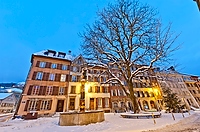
(126, 34)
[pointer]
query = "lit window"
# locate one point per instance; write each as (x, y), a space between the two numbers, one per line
(63, 78)
(39, 76)
(73, 89)
(52, 77)
(99, 102)
(49, 90)
(61, 91)
(42, 64)
(106, 102)
(53, 66)
(35, 90)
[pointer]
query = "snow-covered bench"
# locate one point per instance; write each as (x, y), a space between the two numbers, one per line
(143, 115)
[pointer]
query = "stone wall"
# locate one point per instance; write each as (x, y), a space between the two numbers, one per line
(84, 118)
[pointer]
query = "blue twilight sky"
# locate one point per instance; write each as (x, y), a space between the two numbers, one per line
(28, 26)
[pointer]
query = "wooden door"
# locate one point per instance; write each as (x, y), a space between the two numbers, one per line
(60, 105)
(91, 103)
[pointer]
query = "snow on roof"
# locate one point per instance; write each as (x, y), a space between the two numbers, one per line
(4, 95)
(54, 54)
(17, 90)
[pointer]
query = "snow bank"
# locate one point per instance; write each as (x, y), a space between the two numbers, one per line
(113, 122)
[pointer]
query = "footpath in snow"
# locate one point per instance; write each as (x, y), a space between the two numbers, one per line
(113, 123)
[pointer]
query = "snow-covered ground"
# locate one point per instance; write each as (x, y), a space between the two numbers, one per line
(113, 123)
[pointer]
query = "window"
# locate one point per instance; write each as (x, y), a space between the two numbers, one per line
(98, 89)
(64, 67)
(74, 69)
(45, 105)
(63, 78)
(99, 102)
(73, 89)
(61, 91)
(52, 77)
(36, 90)
(49, 90)
(121, 92)
(90, 89)
(39, 76)
(42, 64)
(74, 78)
(106, 102)
(33, 105)
(53, 66)
(106, 89)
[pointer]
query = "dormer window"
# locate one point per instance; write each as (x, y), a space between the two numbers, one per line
(61, 54)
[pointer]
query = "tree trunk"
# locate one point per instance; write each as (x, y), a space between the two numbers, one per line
(133, 98)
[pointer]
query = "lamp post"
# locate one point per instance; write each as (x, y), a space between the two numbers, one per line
(82, 90)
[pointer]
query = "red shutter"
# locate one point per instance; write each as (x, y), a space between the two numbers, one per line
(65, 92)
(55, 90)
(57, 77)
(67, 78)
(59, 66)
(30, 90)
(34, 75)
(26, 106)
(96, 103)
(48, 65)
(38, 64)
(44, 90)
(41, 90)
(103, 102)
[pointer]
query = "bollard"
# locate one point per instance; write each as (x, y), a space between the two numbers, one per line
(154, 121)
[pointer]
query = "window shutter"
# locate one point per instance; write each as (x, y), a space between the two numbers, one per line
(59, 66)
(96, 103)
(110, 104)
(34, 75)
(103, 102)
(44, 76)
(30, 90)
(41, 90)
(38, 64)
(66, 89)
(55, 90)
(103, 89)
(26, 106)
(67, 78)
(44, 90)
(57, 77)
(39, 103)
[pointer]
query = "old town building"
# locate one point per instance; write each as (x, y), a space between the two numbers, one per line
(193, 87)
(46, 85)
(174, 81)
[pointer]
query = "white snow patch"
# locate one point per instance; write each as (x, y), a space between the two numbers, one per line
(113, 123)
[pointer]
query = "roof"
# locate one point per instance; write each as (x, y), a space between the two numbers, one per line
(4, 95)
(54, 54)
(17, 90)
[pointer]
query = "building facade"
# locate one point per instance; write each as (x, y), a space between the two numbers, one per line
(47, 83)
